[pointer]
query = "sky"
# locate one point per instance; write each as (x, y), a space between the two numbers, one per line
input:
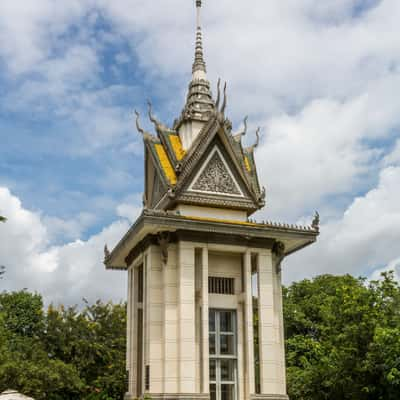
(320, 77)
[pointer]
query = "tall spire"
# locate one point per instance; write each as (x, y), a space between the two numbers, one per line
(199, 102)
(199, 63)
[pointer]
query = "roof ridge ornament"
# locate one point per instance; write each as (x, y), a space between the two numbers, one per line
(146, 135)
(238, 136)
(157, 124)
(257, 143)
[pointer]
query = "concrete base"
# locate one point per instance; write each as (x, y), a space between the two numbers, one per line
(269, 397)
(172, 396)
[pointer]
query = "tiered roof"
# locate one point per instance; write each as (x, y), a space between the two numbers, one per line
(173, 160)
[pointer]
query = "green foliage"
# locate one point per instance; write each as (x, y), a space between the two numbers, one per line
(3, 219)
(343, 342)
(63, 353)
(343, 338)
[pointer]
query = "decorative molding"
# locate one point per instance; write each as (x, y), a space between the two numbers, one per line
(279, 251)
(164, 239)
(316, 221)
(215, 177)
(269, 397)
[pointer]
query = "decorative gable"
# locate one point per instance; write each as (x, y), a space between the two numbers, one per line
(215, 177)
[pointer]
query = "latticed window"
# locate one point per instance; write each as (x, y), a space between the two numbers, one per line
(221, 285)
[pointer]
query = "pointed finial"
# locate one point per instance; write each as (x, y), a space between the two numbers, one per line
(199, 63)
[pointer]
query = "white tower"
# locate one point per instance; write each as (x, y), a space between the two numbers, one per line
(204, 295)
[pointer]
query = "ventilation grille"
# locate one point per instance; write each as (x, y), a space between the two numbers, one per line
(221, 285)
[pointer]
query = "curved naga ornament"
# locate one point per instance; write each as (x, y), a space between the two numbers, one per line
(223, 108)
(256, 144)
(138, 127)
(238, 136)
(145, 134)
(218, 94)
(157, 124)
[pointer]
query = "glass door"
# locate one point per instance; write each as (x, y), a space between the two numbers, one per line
(223, 354)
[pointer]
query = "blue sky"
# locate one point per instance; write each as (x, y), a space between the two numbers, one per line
(321, 78)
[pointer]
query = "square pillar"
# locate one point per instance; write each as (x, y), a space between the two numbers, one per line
(154, 320)
(205, 378)
(170, 321)
(248, 325)
(186, 301)
(272, 366)
(131, 355)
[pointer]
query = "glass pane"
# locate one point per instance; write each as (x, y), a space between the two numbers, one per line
(211, 321)
(213, 375)
(227, 370)
(213, 391)
(226, 321)
(212, 343)
(227, 345)
(227, 392)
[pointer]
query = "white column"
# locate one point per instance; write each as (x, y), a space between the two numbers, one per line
(155, 320)
(186, 300)
(279, 328)
(205, 386)
(269, 321)
(131, 333)
(170, 319)
(248, 323)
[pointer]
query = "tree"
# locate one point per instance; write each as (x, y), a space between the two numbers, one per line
(94, 341)
(3, 219)
(24, 361)
(343, 339)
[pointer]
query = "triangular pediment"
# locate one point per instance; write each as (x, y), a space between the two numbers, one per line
(215, 177)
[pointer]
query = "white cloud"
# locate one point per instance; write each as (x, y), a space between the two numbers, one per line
(366, 238)
(129, 211)
(64, 273)
(324, 150)
(29, 33)
(393, 266)
(322, 77)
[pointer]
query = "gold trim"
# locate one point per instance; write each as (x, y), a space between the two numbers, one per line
(166, 164)
(247, 163)
(177, 147)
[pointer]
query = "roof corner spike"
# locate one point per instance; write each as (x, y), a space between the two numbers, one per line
(199, 66)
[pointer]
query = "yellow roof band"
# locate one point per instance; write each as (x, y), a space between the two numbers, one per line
(166, 164)
(226, 221)
(247, 163)
(177, 146)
